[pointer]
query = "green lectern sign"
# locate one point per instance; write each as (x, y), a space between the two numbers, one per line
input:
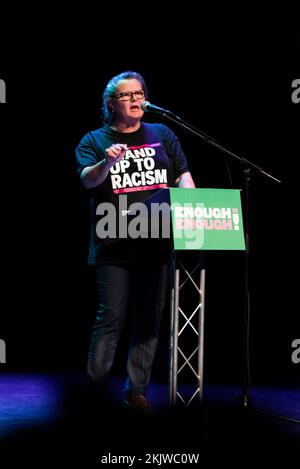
(207, 219)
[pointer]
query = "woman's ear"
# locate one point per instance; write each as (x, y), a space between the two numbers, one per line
(111, 107)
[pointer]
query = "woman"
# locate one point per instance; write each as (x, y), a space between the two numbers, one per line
(122, 163)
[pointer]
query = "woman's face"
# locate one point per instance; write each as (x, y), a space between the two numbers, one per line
(128, 106)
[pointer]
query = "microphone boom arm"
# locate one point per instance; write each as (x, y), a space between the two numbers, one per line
(169, 115)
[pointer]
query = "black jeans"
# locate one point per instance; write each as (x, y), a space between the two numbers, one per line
(145, 289)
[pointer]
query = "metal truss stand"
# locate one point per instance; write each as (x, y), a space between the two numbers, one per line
(187, 334)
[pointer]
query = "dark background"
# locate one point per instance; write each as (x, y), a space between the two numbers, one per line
(226, 70)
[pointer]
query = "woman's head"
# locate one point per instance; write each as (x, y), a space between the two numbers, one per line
(111, 94)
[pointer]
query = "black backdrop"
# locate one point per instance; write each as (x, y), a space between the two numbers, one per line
(226, 70)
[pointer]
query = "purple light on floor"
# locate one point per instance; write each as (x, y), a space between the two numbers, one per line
(27, 399)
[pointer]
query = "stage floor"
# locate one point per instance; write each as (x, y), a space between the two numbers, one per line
(58, 411)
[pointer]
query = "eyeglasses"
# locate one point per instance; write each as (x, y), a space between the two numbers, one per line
(128, 95)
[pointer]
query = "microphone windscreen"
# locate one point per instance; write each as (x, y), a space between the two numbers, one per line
(144, 105)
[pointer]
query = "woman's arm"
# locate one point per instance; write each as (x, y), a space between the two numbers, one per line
(93, 176)
(185, 180)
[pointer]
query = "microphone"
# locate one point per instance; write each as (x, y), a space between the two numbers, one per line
(148, 107)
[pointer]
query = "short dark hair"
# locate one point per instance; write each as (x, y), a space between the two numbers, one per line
(110, 90)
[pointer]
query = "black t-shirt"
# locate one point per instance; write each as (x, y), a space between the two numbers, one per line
(154, 160)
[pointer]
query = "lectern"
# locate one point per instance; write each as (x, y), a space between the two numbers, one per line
(201, 220)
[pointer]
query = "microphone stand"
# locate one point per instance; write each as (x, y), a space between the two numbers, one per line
(246, 401)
